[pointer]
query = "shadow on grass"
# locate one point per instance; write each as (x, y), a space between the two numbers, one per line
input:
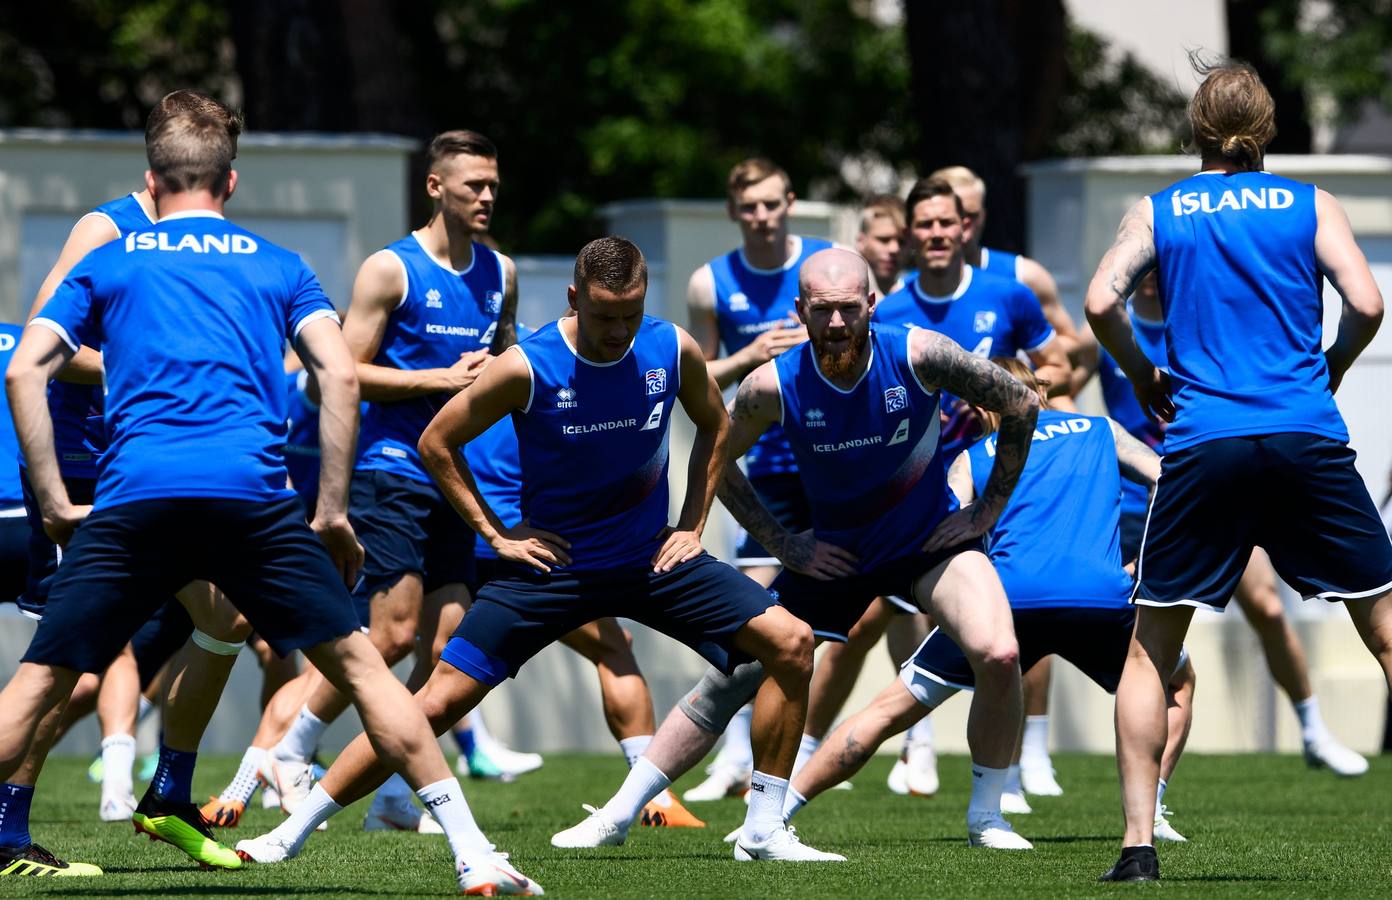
(222, 890)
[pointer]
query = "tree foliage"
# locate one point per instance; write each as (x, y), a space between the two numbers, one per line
(1342, 50)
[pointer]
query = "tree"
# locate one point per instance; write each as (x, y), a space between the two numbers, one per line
(1342, 50)
(1251, 25)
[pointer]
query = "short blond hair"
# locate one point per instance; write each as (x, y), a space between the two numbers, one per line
(752, 171)
(961, 178)
(883, 206)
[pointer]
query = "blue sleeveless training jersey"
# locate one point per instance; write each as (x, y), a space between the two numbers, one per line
(442, 314)
(593, 444)
(11, 495)
(1243, 303)
(1123, 406)
(748, 302)
(1058, 543)
(999, 262)
(79, 436)
(192, 315)
(869, 457)
(493, 459)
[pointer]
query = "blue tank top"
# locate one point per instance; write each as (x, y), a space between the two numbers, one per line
(302, 439)
(1243, 304)
(869, 457)
(999, 262)
(497, 468)
(79, 434)
(1123, 406)
(443, 314)
(593, 444)
(748, 302)
(11, 495)
(1058, 541)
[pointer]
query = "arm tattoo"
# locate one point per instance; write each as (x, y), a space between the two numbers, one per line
(506, 334)
(1138, 462)
(749, 419)
(1132, 254)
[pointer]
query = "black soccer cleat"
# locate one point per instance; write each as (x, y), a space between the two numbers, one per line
(182, 825)
(35, 861)
(1135, 864)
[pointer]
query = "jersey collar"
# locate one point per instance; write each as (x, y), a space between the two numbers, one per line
(192, 214)
(962, 286)
(787, 264)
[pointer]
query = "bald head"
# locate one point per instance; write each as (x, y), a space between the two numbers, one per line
(834, 271)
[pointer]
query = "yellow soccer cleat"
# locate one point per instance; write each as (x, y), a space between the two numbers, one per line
(35, 861)
(182, 825)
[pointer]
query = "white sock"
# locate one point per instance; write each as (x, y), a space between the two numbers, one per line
(1160, 793)
(395, 791)
(1312, 727)
(302, 739)
(316, 809)
(1034, 747)
(806, 747)
(144, 708)
(445, 801)
(118, 758)
(920, 732)
(792, 802)
(987, 786)
(482, 736)
(1012, 781)
(765, 815)
(635, 747)
(737, 752)
(244, 782)
(644, 782)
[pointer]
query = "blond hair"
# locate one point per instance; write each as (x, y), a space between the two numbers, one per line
(883, 206)
(752, 171)
(1232, 115)
(962, 179)
(990, 421)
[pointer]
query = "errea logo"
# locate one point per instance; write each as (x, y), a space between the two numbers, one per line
(815, 418)
(565, 398)
(739, 302)
(432, 299)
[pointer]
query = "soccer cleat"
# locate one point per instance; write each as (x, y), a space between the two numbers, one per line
(511, 762)
(223, 813)
(723, 781)
(292, 779)
(1014, 803)
(267, 849)
(898, 779)
(782, 846)
(994, 833)
(1334, 756)
(1164, 831)
(270, 797)
(666, 811)
(595, 831)
(384, 815)
(96, 769)
(116, 808)
(148, 764)
(491, 875)
(922, 769)
(182, 825)
(1040, 781)
(1135, 864)
(35, 861)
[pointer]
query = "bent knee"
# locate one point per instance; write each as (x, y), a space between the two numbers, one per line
(793, 648)
(999, 658)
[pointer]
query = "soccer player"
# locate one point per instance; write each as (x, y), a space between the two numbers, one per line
(14, 533)
(1256, 593)
(425, 314)
(882, 239)
(743, 302)
(1256, 452)
(1056, 549)
(193, 313)
(860, 409)
(591, 397)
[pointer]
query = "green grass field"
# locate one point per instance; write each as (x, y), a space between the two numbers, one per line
(1257, 825)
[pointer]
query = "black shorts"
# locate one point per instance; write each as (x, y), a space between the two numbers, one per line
(1094, 640)
(406, 526)
(833, 607)
(44, 555)
(787, 502)
(701, 603)
(159, 639)
(14, 554)
(125, 561)
(1298, 496)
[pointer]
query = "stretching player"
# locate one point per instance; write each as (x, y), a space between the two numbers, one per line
(594, 394)
(1256, 452)
(1067, 596)
(743, 302)
(860, 408)
(167, 511)
(425, 313)
(14, 531)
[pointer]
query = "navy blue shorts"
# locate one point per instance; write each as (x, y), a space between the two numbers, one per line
(159, 639)
(14, 554)
(1298, 496)
(1132, 530)
(124, 561)
(44, 555)
(486, 569)
(1094, 640)
(406, 526)
(701, 603)
(833, 607)
(787, 502)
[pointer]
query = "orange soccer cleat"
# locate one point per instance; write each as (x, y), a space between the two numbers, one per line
(666, 811)
(223, 813)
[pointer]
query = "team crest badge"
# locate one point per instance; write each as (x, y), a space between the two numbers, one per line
(657, 381)
(984, 322)
(896, 398)
(494, 301)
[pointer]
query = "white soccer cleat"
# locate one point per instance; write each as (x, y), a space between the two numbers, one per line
(511, 762)
(922, 765)
(733, 836)
(1040, 781)
(116, 808)
(270, 797)
(994, 833)
(595, 831)
(1163, 830)
(267, 849)
(898, 780)
(783, 846)
(385, 815)
(1334, 756)
(292, 779)
(723, 781)
(1015, 804)
(491, 875)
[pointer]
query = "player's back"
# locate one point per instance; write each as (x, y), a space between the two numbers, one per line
(192, 316)
(1242, 295)
(869, 456)
(593, 444)
(11, 496)
(1057, 541)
